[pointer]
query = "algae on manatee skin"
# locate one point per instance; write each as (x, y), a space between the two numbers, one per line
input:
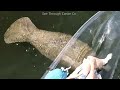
(47, 43)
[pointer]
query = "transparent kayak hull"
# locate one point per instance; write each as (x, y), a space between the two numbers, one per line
(102, 33)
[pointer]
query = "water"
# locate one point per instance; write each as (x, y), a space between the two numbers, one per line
(22, 60)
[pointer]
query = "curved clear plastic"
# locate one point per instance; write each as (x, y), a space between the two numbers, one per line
(102, 33)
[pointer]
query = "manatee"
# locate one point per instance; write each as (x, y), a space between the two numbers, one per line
(48, 43)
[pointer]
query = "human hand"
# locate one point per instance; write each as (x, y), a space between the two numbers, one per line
(92, 62)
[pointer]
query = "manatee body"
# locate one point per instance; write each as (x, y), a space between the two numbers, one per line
(46, 42)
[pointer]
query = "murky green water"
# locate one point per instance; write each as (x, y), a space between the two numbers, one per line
(22, 60)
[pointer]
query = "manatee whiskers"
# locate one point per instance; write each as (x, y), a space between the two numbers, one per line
(46, 42)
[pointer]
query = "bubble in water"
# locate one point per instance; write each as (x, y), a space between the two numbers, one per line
(6, 17)
(35, 54)
(33, 48)
(26, 50)
(118, 77)
(16, 43)
(34, 66)
(53, 25)
(91, 31)
(2, 17)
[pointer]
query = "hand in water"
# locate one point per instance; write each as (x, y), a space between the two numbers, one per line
(92, 62)
(89, 66)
